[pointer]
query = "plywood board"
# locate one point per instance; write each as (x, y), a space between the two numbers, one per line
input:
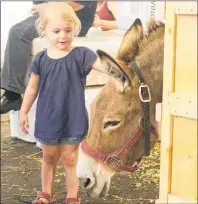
(184, 157)
(178, 170)
(186, 54)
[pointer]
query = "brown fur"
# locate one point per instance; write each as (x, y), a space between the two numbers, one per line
(118, 100)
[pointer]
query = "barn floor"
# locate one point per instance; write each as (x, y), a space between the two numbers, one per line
(20, 176)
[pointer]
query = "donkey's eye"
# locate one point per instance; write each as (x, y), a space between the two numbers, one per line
(111, 123)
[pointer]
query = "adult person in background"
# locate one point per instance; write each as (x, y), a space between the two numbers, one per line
(104, 17)
(18, 50)
(121, 14)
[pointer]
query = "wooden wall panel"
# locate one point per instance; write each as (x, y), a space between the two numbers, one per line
(178, 171)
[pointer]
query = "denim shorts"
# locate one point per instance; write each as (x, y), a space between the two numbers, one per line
(62, 140)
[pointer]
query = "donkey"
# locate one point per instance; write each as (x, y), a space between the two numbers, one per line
(115, 141)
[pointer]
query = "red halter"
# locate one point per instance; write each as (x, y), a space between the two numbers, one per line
(115, 160)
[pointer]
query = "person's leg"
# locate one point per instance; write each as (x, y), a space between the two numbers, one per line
(17, 55)
(69, 157)
(51, 155)
(16, 61)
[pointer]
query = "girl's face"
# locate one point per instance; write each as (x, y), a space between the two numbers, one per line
(60, 33)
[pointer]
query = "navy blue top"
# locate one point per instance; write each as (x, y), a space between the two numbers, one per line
(61, 110)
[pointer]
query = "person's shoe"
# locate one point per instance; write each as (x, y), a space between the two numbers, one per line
(7, 105)
(72, 200)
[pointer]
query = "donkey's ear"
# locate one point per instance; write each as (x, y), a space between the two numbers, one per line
(114, 69)
(130, 43)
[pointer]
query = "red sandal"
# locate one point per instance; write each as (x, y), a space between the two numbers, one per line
(72, 200)
(47, 196)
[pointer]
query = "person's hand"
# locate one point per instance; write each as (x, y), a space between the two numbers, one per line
(34, 9)
(97, 21)
(24, 125)
(38, 8)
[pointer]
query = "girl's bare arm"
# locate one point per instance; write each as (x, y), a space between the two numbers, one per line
(30, 93)
(97, 65)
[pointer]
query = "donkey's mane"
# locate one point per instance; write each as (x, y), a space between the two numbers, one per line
(155, 30)
(151, 46)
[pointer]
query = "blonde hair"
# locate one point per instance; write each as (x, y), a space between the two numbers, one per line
(53, 10)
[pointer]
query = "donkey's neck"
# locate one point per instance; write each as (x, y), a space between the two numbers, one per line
(150, 62)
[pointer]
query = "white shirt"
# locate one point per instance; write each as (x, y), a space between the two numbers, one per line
(128, 11)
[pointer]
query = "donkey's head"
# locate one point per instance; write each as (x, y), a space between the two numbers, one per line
(116, 110)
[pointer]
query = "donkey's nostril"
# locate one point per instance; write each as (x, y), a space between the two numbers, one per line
(85, 182)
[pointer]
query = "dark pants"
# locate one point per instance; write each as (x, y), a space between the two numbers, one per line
(17, 55)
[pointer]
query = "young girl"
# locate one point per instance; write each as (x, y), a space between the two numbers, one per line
(59, 75)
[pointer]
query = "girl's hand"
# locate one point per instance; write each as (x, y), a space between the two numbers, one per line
(98, 66)
(24, 125)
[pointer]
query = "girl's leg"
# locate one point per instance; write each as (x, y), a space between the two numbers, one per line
(51, 155)
(69, 157)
